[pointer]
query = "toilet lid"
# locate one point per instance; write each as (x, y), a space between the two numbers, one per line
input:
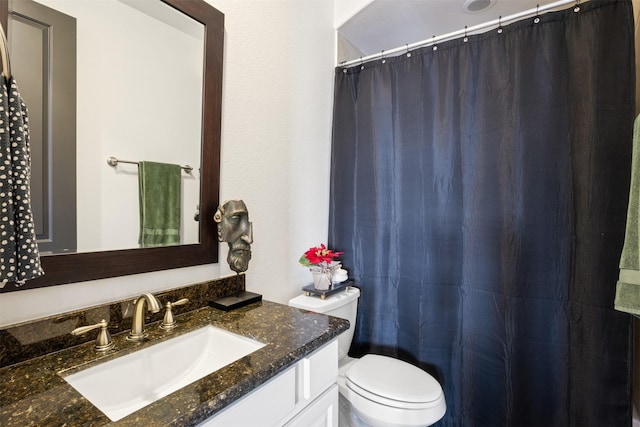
(392, 382)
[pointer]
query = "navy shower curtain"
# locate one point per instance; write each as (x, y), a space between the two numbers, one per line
(479, 194)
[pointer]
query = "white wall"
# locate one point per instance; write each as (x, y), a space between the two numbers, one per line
(345, 9)
(277, 113)
(276, 139)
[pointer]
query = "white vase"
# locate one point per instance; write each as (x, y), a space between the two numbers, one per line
(322, 277)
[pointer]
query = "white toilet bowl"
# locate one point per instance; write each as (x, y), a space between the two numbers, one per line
(377, 391)
(386, 392)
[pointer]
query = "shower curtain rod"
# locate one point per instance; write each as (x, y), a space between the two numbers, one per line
(465, 31)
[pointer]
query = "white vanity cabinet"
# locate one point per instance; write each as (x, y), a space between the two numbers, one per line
(305, 395)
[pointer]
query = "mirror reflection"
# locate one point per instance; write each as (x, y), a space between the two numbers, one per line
(139, 98)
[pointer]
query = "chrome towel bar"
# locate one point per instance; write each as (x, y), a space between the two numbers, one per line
(112, 161)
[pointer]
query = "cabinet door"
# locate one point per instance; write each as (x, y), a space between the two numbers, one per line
(317, 372)
(322, 412)
(302, 396)
(263, 407)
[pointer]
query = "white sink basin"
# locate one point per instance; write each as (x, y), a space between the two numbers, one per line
(124, 385)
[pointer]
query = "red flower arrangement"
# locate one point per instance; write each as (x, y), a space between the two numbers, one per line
(318, 256)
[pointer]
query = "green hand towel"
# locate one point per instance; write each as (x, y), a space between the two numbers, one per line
(628, 286)
(160, 195)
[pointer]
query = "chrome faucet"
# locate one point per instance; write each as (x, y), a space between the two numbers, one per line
(137, 323)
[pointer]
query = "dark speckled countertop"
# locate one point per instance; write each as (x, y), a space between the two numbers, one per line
(32, 393)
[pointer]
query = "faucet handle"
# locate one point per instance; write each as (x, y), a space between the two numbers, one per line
(169, 322)
(103, 341)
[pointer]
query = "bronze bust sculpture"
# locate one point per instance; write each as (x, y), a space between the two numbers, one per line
(235, 228)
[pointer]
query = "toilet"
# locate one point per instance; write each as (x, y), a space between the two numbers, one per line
(376, 391)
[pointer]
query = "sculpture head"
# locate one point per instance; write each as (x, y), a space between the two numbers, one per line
(235, 229)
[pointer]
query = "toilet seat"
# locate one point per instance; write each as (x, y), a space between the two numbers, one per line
(394, 383)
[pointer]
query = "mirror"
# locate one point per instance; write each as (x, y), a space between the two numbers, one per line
(77, 267)
(95, 87)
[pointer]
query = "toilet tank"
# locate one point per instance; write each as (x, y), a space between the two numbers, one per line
(341, 304)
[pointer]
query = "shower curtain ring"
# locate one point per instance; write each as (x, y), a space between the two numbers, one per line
(382, 56)
(500, 24)
(577, 8)
(465, 39)
(408, 52)
(361, 64)
(537, 18)
(433, 43)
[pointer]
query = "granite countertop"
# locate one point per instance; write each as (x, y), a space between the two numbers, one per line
(34, 394)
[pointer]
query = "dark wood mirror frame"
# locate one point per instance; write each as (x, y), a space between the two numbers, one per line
(69, 268)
